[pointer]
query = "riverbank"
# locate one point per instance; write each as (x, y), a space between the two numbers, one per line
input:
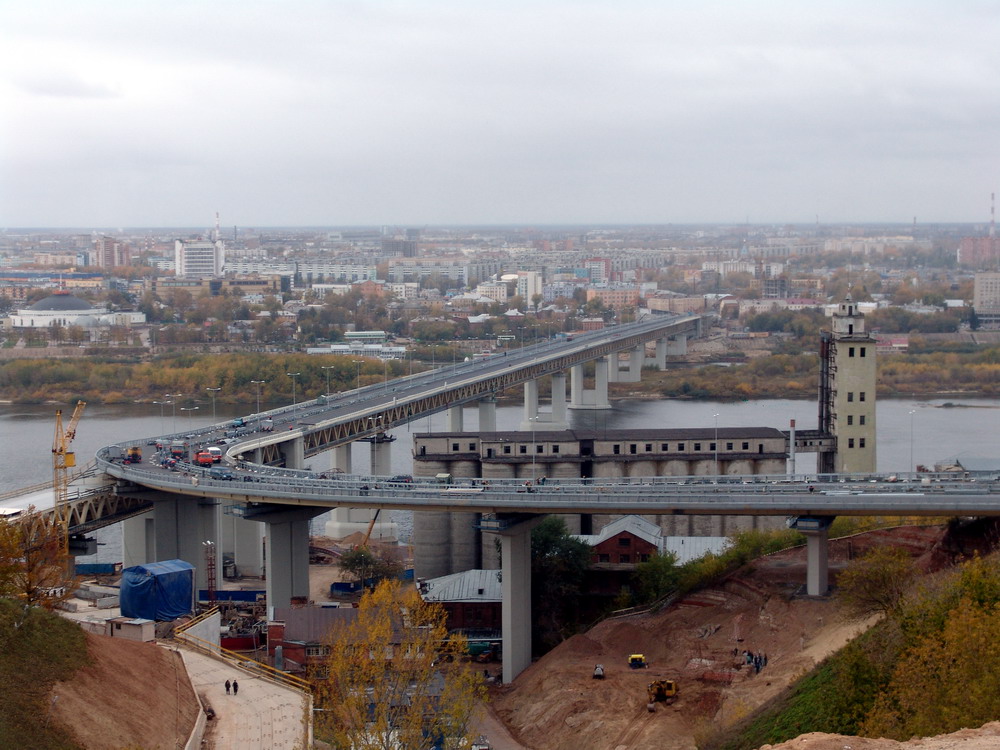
(937, 374)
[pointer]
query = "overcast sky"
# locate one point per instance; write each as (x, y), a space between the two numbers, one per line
(162, 112)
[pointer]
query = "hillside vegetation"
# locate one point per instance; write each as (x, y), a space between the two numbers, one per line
(931, 666)
(37, 649)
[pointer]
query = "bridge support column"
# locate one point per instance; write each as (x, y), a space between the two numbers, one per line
(181, 525)
(287, 539)
(559, 418)
(244, 540)
(138, 540)
(294, 453)
(380, 464)
(456, 422)
(581, 398)
(817, 564)
(660, 360)
(677, 346)
(614, 368)
(515, 584)
(342, 457)
(488, 414)
(530, 402)
(635, 362)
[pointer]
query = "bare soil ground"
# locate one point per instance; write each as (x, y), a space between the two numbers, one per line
(557, 705)
(131, 695)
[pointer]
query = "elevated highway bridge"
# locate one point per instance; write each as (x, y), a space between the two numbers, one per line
(266, 478)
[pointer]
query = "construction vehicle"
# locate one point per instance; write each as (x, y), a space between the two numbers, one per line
(599, 672)
(660, 691)
(638, 661)
(133, 455)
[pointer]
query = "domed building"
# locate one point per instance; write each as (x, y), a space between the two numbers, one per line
(63, 309)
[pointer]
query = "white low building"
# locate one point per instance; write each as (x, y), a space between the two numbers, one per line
(63, 309)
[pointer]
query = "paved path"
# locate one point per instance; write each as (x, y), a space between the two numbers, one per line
(262, 716)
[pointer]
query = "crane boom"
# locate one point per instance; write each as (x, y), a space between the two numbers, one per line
(64, 459)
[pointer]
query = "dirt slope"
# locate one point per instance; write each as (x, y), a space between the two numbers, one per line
(557, 705)
(132, 695)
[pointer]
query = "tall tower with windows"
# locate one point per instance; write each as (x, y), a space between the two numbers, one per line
(847, 392)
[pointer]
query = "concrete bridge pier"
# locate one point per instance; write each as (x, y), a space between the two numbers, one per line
(286, 537)
(559, 419)
(181, 525)
(380, 457)
(676, 346)
(580, 398)
(342, 457)
(138, 540)
(530, 406)
(244, 540)
(294, 452)
(817, 531)
(456, 421)
(659, 360)
(488, 414)
(636, 358)
(515, 586)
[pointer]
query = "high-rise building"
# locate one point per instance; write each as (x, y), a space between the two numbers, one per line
(199, 259)
(986, 298)
(529, 284)
(110, 252)
(401, 248)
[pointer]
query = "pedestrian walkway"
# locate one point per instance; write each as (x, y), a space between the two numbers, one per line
(262, 716)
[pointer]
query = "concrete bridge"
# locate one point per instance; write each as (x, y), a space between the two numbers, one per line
(270, 484)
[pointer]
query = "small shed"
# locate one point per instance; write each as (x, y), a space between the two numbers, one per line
(131, 628)
(158, 591)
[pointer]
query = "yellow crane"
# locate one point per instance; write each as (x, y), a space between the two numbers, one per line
(63, 459)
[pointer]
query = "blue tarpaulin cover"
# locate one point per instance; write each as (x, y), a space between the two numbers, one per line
(158, 591)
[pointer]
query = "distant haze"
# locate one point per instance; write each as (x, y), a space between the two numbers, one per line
(473, 112)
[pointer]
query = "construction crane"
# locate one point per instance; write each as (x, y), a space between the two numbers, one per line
(64, 459)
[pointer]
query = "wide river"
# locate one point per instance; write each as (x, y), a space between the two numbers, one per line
(910, 431)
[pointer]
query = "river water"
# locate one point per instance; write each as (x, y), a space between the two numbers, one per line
(910, 432)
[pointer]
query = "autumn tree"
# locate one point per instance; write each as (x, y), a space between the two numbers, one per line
(33, 563)
(393, 678)
(875, 583)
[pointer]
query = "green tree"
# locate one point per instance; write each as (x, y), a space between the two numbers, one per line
(394, 678)
(365, 565)
(558, 565)
(657, 576)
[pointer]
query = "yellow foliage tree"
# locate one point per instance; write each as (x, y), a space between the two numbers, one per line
(33, 563)
(947, 681)
(393, 678)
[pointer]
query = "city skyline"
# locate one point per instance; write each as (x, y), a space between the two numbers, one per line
(456, 114)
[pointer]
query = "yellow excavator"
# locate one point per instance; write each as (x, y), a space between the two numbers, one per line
(660, 691)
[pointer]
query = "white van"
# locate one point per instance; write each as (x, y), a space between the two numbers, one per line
(216, 453)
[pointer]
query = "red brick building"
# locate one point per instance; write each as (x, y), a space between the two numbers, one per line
(472, 598)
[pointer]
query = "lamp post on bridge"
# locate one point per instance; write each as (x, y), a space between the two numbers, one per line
(162, 404)
(534, 448)
(258, 383)
(190, 409)
(173, 408)
(358, 363)
(294, 376)
(212, 392)
(911, 467)
(327, 368)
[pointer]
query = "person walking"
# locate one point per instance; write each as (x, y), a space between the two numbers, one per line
(227, 687)
(236, 687)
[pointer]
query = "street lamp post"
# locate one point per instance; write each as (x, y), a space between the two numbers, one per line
(385, 374)
(258, 383)
(294, 376)
(173, 408)
(534, 449)
(716, 443)
(912, 412)
(358, 363)
(190, 409)
(162, 404)
(327, 368)
(212, 392)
